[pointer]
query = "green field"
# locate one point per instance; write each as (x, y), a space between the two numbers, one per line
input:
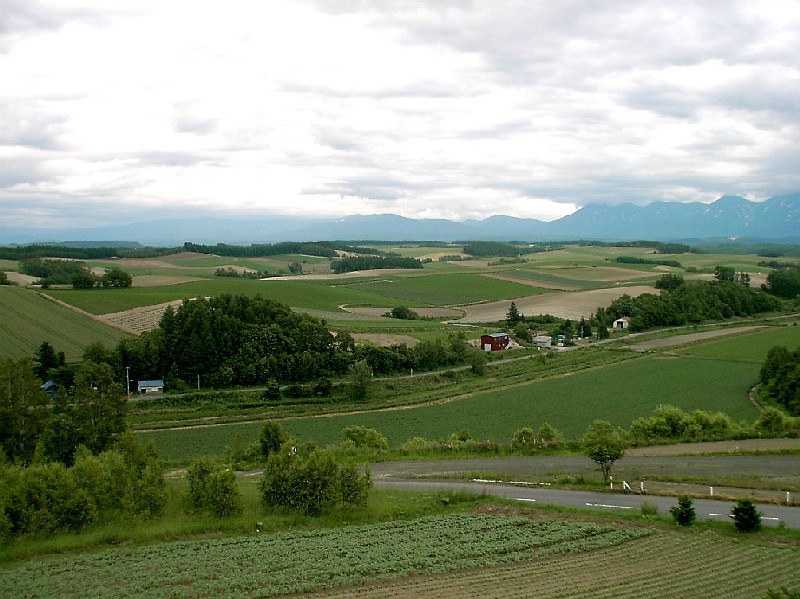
(752, 347)
(443, 289)
(302, 294)
(457, 555)
(28, 319)
(619, 393)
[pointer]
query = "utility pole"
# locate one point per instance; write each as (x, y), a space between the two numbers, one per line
(128, 381)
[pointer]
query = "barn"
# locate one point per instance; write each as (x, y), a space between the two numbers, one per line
(495, 341)
(153, 386)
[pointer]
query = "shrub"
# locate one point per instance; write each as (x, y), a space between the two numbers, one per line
(683, 513)
(648, 509)
(362, 437)
(311, 484)
(745, 516)
(523, 439)
(271, 438)
(213, 489)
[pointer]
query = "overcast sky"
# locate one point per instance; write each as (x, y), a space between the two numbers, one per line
(134, 109)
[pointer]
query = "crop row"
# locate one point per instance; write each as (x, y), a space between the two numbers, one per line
(669, 565)
(268, 565)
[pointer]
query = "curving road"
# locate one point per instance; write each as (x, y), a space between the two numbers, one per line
(775, 471)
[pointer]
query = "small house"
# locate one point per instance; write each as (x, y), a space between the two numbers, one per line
(622, 323)
(495, 342)
(154, 386)
(51, 388)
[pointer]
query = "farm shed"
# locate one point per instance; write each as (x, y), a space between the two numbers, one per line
(51, 388)
(495, 341)
(542, 341)
(154, 386)
(622, 323)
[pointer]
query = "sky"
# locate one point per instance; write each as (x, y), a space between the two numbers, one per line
(133, 110)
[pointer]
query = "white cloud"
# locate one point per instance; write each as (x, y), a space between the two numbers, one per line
(425, 109)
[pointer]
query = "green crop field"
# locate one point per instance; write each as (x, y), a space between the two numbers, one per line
(443, 289)
(28, 319)
(752, 347)
(619, 393)
(458, 555)
(303, 294)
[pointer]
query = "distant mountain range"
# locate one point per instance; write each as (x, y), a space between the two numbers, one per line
(777, 218)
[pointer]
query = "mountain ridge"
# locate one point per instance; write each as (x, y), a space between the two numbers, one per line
(728, 217)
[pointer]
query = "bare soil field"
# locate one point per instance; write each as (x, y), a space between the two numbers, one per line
(357, 274)
(571, 305)
(138, 320)
(19, 278)
(383, 340)
(532, 282)
(160, 280)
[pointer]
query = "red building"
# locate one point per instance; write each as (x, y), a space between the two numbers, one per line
(495, 342)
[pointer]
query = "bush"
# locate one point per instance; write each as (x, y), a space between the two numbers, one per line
(523, 439)
(683, 513)
(648, 509)
(213, 489)
(745, 516)
(311, 484)
(271, 438)
(362, 437)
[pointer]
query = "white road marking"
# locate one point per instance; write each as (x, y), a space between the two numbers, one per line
(524, 499)
(619, 507)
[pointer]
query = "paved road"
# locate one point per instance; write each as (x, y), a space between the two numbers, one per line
(706, 509)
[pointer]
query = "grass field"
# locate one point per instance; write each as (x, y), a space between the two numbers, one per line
(28, 319)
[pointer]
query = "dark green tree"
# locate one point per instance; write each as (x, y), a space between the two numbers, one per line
(724, 273)
(45, 359)
(24, 410)
(746, 517)
(116, 278)
(683, 513)
(85, 280)
(513, 316)
(92, 415)
(603, 444)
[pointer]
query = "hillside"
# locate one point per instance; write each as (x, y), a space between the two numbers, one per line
(30, 318)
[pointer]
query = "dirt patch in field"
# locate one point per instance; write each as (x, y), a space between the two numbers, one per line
(532, 282)
(19, 278)
(138, 320)
(385, 340)
(567, 304)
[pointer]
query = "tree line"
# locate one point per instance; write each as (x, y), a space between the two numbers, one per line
(681, 302)
(236, 340)
(323, 249)
(354, 263)
(73, 272)
(780, 378)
